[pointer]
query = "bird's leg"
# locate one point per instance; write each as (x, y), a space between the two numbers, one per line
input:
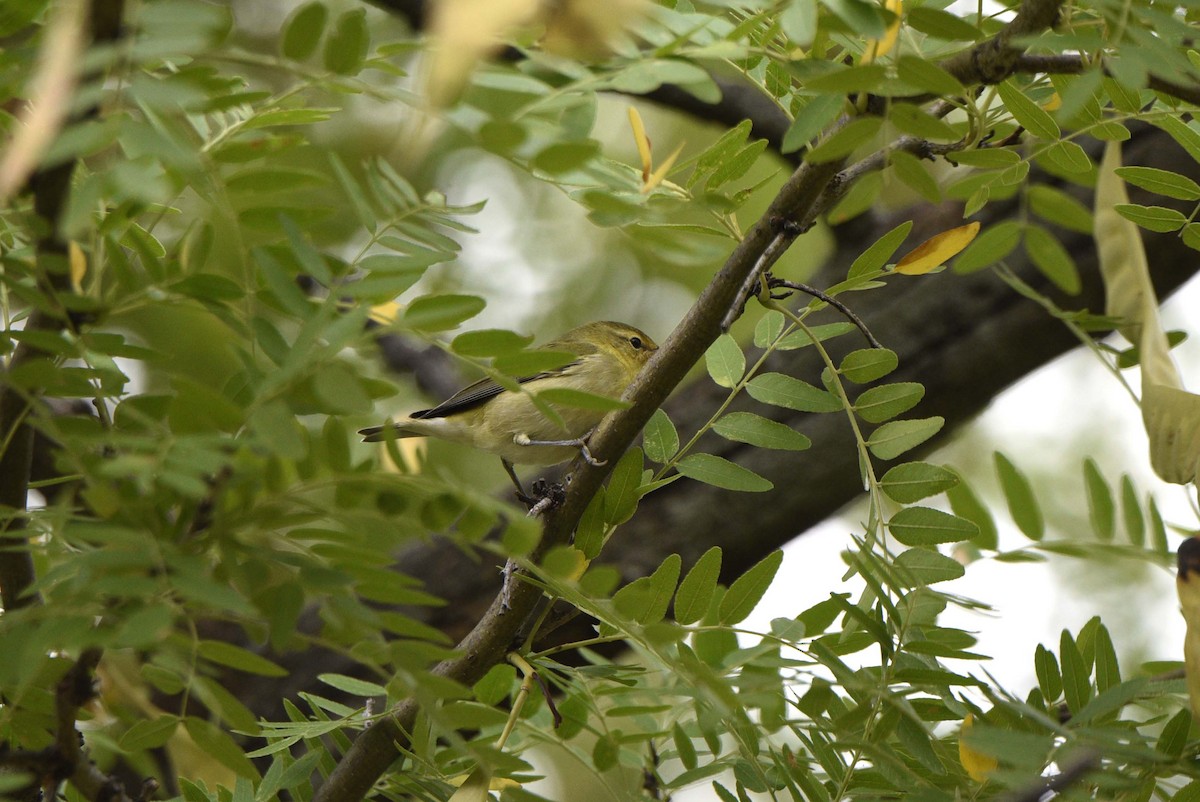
(522, 496)
(522, 439)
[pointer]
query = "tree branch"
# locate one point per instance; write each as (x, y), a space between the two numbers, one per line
(794, 208)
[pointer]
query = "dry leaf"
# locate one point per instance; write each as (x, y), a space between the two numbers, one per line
(977, 764)
(1170, 414)
(656, 178)
(937, 250)
(463, 33)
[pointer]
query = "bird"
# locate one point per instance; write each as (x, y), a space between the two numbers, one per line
(1187, 582)
(489, 417)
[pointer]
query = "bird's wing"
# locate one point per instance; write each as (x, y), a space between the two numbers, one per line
(476, 394)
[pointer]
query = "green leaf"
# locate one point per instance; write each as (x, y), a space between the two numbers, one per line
(769, 328)
(1152, 218)
(882, 403)
(1030, 115)
(489, 342)
(563, 157)
(303, 29)
(863, 18)
(788, 392)
(913, 481)
(847, 80)
(1050, 257)
(696, 591)
(992, 245)
(813, 118)
(149, 733)
(346, 48)
(921, 566)
(1131, 513)
(622, 493)
(738, 165)
(646, 599)
(916, 175)
(216, 743)
(1101, 507)
(746, 427)
(441, 312)
(1161, 182)
(876, 256)
(966, 504)
(725, 361)
(1077, 690)
(1060, 208)
(1158, 530)
(1174, 736)
(579, 399)
(868, 364)
(684, 750)
(353, 685)
(1049, 678)
(1068, 157)
(748, 589)
(660, 440)
(925, 526)
(1108, 669)
(720, 472)
(845, 140)
(927, 75)
(1022, 504)
(892, 439)
(227, 654)
(941, 24)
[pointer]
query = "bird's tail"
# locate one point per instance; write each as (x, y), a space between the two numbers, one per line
(378, 434)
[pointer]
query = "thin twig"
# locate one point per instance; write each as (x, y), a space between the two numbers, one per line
(770, 255)
(1083, 764)
(829, 299)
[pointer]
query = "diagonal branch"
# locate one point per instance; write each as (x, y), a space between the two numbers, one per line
(794, 208)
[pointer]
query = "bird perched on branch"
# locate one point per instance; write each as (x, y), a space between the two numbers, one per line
(1187, 582)
(521, 428)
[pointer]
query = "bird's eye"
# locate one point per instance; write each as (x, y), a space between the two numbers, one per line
(636, 342)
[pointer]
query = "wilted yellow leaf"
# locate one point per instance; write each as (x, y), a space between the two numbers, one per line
(1053, 103)
(881, 47)
(642, 141)
(977, 764)
(1170, 414)
(936, 250)
(463, 32)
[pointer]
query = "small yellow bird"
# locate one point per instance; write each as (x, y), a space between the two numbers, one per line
(486, 416)
(1187, 582)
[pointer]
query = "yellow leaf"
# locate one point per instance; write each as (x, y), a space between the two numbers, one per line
(462, 33)
(642, 141)
(586, 29)
(935, 251)
(1053, 103)
(1187, 582)
(474, 787)
(881, 47)
(385, 314)
(79, 265)
(977, 764)
(656, 178)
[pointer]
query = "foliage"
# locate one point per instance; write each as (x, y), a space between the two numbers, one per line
(194, 337)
